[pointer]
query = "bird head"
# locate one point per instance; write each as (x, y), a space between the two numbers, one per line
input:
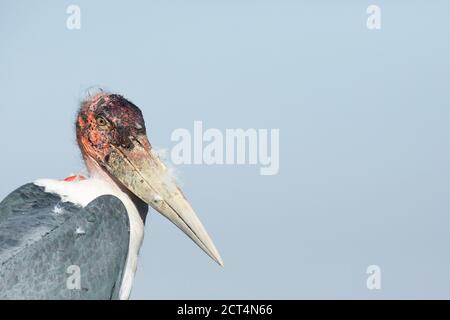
(111, 134)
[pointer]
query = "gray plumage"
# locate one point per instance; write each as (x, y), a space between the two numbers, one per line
(41, 237)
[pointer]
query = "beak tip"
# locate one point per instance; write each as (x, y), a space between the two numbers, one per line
(217, 258)
(212, 251)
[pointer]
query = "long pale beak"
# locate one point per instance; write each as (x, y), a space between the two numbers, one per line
(143, 173)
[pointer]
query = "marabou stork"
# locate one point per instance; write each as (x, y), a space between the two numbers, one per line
(92, 228)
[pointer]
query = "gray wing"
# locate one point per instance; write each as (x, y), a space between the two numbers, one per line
(55, 250)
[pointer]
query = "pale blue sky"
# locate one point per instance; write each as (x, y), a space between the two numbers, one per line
(363, 117)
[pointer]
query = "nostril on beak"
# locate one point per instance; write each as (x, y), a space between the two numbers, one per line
(127, 143)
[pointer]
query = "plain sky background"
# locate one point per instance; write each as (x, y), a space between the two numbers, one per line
(363, 117)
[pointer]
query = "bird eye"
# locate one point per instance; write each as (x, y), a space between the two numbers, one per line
(102, 123)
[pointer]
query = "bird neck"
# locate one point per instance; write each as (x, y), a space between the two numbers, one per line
(96, 171)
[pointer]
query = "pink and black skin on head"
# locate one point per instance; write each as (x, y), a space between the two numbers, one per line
(110, 119)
